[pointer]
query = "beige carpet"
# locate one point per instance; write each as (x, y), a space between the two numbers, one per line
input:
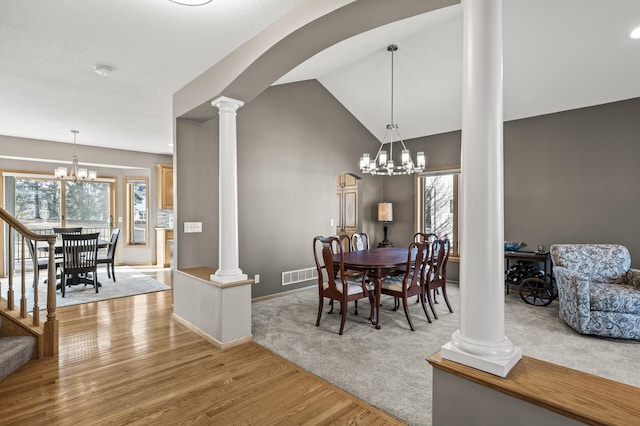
(129, 282)
(387, 367)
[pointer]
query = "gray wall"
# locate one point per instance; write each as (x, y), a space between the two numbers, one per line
(572, 177)
(569, 177)
(293, 141)
(44, 156)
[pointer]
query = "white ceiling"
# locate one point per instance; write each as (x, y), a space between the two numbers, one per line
(48, 50)
(558, 55)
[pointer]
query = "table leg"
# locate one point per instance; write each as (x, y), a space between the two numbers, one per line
(376, 313)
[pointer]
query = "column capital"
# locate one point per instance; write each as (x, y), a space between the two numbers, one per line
(224, 102)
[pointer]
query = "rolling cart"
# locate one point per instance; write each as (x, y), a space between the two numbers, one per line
(532, 273)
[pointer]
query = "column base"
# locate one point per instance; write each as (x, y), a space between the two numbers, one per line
(496, 359)
(228, 276)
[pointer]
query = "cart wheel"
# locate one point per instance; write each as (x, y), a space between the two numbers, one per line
(536, 291)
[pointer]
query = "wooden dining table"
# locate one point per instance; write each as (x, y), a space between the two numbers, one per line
(379, 262)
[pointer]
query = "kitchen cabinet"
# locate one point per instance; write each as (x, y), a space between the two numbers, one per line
(163, 246)
(165, 186)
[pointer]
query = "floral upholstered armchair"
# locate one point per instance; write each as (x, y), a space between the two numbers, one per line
(598, 291)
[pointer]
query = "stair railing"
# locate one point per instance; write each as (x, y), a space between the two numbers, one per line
(50, 327)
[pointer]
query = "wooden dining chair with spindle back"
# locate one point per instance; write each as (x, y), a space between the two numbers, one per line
(109, 258)
(79, 257)
(333, 284)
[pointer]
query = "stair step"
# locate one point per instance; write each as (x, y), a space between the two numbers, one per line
(15, 351)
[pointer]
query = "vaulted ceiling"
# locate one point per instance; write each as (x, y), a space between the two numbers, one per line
(558, 55)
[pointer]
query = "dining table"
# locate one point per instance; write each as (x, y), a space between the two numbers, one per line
(75, 279)
(380, 263)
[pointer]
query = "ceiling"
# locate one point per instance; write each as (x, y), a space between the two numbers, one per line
(558, 55)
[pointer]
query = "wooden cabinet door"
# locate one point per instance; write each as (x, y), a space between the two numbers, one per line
(165, 186)
(347, 193)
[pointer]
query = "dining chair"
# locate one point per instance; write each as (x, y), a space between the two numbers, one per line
(345, 242)
(109, 258)
(360, 241)
(74, 230)
(411, 283)
(333, 284)
(425, 236)
(436, 277)
(79, 257)
(39, 263)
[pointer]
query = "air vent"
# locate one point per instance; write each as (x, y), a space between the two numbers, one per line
(298, 276)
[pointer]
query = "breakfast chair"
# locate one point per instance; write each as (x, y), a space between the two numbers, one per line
(333, 283)
(39, 263)
(74, 230)
(79, 257)
(109, 258)
(411, 284)
(436, 277)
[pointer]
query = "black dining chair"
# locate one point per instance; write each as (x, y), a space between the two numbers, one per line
(79, 258)
(39, 263)
(73, 230)
(109, 258)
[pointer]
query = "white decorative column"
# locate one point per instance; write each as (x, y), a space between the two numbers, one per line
(480, 341)
(228, 265)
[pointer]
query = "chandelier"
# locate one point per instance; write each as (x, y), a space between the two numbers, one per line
(382, 163)
(76, 172)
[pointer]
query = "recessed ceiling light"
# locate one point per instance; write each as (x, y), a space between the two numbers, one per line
(103, 70)
(191, 2)
(635, 34)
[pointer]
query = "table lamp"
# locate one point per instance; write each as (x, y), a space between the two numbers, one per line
(385, 215)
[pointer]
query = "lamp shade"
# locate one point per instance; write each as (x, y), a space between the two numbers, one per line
(385, 212)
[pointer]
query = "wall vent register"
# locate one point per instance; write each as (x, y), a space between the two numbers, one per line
(299, 275)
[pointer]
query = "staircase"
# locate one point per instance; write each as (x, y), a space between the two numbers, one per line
(22, 336)
(15, 351)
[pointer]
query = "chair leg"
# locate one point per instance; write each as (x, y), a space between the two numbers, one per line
(356, 311)
(108, 272)
(446, 299)
(396, 303)
(95, 279)
(406, 313)
(113, 271)
(320, 303)
(63, 283)
(344, 318)
(433, 309)
(331, 304)
(424, 307)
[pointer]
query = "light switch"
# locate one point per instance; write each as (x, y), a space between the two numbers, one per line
(191, 227)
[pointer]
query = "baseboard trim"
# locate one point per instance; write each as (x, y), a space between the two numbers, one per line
(215, 342)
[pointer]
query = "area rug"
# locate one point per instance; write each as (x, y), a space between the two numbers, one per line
(387, 367)
(129, 283)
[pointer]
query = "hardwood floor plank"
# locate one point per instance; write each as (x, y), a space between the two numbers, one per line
(126, 361)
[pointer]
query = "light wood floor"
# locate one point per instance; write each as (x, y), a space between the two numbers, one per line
(125, 361)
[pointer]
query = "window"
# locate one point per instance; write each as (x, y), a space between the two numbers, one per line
(137, 204)
(42, 203)
(437, 204)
